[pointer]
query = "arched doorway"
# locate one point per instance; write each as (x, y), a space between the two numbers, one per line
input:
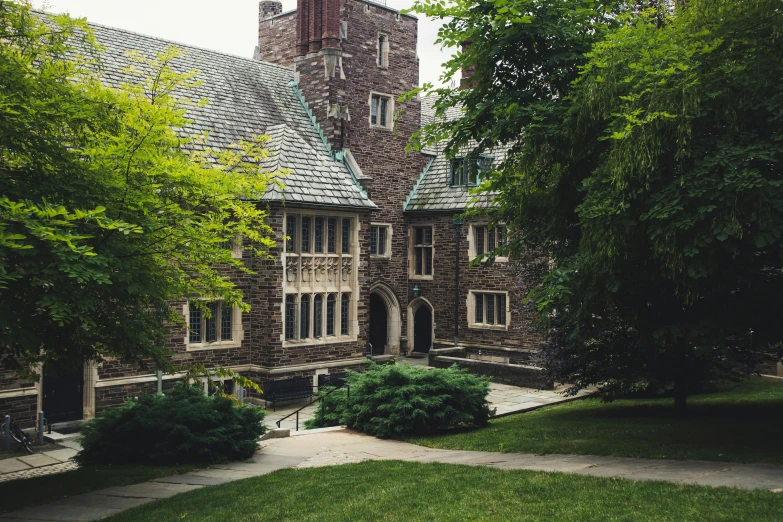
(421, 325)
(385, 320)
(379, 318)
(422, 330)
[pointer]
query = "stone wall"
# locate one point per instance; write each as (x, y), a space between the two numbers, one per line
(277, 38)
(22, 409)
(439, 291)
(512, 374)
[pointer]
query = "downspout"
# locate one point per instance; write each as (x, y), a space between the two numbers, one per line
(458, 222)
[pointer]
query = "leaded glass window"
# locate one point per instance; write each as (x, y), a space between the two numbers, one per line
(345, 314)
(305, 234)
(304, 317)
(318, 311)
(226, 322)
(331, 302)
(490, 309)
(331, 241)
(422, 251)
(346, 239)
(319, 235)
(195, 325)
(290, 316)
(290, 231)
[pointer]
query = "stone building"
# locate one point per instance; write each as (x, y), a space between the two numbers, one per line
(373, 249)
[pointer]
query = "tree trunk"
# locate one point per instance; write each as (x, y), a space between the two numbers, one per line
(681, 382)
(680, 393)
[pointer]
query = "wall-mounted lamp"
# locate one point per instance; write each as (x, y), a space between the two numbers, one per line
(416, 291)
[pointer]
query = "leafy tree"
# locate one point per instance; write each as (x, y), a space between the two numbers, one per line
(108, 210)
(645, 163)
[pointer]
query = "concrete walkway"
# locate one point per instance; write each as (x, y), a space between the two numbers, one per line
(39, 464)
(334, 446)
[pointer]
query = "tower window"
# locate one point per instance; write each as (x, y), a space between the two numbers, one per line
(381, 107)
(383, 51)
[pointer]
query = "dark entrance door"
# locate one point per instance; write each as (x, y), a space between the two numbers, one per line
(62, 393)
(422, 329)
(379, 316)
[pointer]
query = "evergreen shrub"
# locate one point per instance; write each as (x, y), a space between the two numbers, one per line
(390, 401)
(182, 427)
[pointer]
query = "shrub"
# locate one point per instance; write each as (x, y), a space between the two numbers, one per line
(401, 400)
(184, 426)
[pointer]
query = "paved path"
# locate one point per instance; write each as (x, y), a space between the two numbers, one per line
(38, 464)
(336, 446)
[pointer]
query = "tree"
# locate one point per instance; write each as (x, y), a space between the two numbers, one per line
(108, 211)
(645, 162)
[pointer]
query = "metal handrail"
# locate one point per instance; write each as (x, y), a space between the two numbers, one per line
(321, 397)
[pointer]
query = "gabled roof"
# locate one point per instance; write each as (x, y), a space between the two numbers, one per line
(245, 98)
(433, 192)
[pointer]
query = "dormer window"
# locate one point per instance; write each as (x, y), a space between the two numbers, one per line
(383, 51)
(467, 173)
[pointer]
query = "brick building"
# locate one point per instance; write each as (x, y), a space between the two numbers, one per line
(371, 260)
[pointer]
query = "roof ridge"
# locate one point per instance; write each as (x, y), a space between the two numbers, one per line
(181, 44)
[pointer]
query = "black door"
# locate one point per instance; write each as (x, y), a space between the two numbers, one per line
(62, 393)
(378, 324)
(422, 330)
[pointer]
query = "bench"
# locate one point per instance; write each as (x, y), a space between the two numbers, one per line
(331, 379)
(287, 390)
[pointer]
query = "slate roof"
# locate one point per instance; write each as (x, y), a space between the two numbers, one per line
(433, 192)
(245, 98)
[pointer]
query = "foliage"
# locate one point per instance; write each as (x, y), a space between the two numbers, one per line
(182, 427)
(398, 400)
(648, 171)
(109, 210)
(198, 372)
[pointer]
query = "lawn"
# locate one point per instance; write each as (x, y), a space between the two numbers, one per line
(737, 423)
(407, 492)
(17, 494)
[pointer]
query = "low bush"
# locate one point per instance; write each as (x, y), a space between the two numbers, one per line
(182, 427)
(401, 400)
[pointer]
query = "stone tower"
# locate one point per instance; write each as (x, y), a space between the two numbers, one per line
(354, 59)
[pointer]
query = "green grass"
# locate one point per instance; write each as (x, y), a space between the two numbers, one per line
(17, 494)
(738, 423)
(407, 492)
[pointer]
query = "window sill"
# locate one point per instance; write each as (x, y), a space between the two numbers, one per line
(421, 277)
(381, 127)
(481, 326)
(316, 342)
(485, 260)
(196, 347)
(379, 257)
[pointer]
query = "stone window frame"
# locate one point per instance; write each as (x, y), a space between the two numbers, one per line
(294, 285)
(236, 247)
(237, 331)
(382, 50)
(472, 241)
(389, 111)
(412, 252)
(387, 242)
(471, 307)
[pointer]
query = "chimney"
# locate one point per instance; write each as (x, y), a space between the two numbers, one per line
(317, 25)
(467, 74)
(269, 8)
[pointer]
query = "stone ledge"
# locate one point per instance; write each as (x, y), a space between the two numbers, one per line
(513, 374)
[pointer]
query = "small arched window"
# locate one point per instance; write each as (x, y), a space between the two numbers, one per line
(383, 51)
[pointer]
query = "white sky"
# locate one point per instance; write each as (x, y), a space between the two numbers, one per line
(229, 26)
